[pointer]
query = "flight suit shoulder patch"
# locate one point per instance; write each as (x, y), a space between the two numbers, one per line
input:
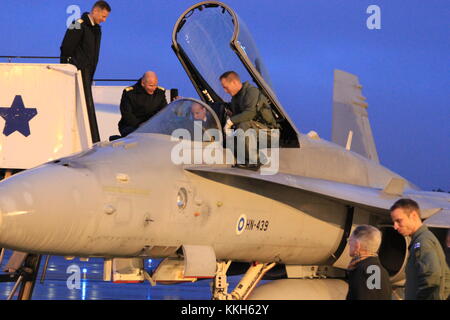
(161, 88)
(417, 250)
(80, 21)
(129, 89)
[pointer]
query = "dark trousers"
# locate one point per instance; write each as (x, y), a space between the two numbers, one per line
(124, 131)
(87, 76)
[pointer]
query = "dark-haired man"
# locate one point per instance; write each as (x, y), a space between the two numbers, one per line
(427, 273)
(81, 47)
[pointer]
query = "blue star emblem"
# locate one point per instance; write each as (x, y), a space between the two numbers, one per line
(17, 117)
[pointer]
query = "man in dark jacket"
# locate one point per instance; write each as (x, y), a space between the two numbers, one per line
(427, 272)
(199, 113)
(140, 102)
(81, 47)
(367, 278)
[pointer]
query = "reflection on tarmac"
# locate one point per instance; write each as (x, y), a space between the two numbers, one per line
(94, 288)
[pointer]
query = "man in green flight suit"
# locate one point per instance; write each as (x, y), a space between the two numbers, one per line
(427, 272)
(244, 115)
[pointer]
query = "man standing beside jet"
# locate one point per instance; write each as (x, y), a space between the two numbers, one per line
(81, 47)
(427, 273)
(364, 244)
(140, 102)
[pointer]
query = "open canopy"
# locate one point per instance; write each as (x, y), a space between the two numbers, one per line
(210, 39)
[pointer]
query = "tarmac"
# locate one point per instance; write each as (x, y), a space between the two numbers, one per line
(92, 286)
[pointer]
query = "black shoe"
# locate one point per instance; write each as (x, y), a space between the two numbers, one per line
(254, 167)
(248, 166)
(112, 138)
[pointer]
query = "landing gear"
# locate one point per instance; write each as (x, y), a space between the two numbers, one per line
(24, 277)
(248, 282)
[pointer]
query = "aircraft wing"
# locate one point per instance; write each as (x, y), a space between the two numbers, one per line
(435, 206)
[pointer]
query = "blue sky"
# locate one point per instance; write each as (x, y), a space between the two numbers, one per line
(403, 67)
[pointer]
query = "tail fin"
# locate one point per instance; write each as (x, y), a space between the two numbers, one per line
(350, 116)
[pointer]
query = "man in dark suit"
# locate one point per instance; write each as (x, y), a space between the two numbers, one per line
(367, 278)
(140, 102)
(81, 47)
(200, 113)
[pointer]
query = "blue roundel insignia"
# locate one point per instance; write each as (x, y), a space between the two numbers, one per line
(241, 223)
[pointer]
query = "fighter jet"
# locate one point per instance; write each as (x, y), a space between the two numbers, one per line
(167, 190)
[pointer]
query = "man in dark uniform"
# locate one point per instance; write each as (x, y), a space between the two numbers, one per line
(367, 278)
(427, 273)
(81, 47)
(140, 102)
(199, 113)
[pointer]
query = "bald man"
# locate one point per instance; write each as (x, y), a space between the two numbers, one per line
(200, 113)
(140, 102)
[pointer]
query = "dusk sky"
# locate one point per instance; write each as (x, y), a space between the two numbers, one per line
(403, 67)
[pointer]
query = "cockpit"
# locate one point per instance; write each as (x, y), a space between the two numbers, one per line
(210, 39)
(195, 117)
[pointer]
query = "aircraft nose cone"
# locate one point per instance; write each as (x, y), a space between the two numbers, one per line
(1, 214)
(3, 197)
(12, 205)
(46, 209)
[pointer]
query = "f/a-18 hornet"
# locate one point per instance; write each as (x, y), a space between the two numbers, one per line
(169, 191)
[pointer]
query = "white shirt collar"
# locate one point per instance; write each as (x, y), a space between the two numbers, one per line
(90, 18)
